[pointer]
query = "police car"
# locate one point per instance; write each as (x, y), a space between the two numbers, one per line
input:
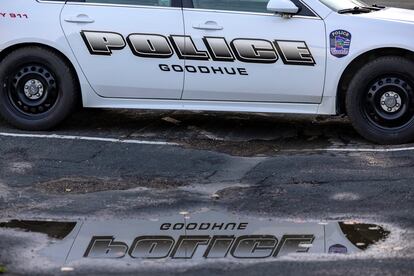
(323, 57)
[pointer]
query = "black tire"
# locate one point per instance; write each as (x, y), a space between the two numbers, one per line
(380, 100)
(39, 90)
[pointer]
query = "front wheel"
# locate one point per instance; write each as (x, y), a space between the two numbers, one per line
(38, 89)
(380, 100)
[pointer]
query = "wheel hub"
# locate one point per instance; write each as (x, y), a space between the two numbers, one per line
(33, 89)
(391, 102)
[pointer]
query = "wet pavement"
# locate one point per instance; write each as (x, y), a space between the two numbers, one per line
(152, 166)
(124, 174)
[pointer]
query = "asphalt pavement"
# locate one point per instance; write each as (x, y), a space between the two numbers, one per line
(119, 165)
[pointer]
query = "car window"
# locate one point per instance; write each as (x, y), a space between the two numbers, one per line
(166, 3)
(259, 6)
(233, 5)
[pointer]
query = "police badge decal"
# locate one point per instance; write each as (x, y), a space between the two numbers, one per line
(340, 41)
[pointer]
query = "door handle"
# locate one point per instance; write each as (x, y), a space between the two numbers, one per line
(208, 25)
(80, 18)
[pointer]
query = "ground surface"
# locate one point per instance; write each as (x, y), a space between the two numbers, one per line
(301, 168)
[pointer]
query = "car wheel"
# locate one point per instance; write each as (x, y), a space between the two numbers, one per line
(380, 100)
(39, 90)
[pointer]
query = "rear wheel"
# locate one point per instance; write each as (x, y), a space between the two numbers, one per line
(380, 100)
(39, 89)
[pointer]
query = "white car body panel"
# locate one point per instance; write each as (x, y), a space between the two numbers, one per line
(313, 92)
(122, 75)
(276, 82)
(369, 32)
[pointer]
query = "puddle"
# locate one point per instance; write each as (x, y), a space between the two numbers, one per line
(363, 235)
(83, 185)
(197, 238)
(53, 229)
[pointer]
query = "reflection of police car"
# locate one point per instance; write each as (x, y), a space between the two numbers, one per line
(284, 56)
(203, 236)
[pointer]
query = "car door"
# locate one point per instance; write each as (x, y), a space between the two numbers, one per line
(119, 45)
(249, 54)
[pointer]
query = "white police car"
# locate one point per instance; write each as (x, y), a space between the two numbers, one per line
(283, 56)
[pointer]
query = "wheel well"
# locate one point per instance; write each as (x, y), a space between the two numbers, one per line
(358, 62)
(10, 49)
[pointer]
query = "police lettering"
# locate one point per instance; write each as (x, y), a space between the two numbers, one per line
(247, 50)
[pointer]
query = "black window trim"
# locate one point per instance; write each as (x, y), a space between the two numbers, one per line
(304, 10)
(174, 3)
